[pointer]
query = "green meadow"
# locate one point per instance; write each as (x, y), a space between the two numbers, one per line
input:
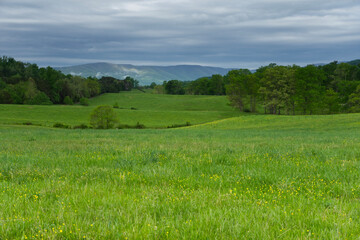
(243, 177)
(152, 110)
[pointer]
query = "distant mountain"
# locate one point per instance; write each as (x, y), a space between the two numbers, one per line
(144, 74)
(354, 62)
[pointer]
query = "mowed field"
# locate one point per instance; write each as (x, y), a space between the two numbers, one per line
(247, 177)
(152, 110)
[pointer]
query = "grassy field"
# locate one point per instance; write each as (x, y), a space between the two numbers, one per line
(152, 110)
(251, 177)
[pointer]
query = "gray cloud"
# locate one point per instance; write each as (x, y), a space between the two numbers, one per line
(229, 33)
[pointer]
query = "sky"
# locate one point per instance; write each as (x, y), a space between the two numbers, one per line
(224, 33)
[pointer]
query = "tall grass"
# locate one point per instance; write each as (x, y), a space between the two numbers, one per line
(283, 178)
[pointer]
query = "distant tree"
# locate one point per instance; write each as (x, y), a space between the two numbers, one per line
(174, 87)
(345, 71)
(24, 81)
(344, 80)
(110, 85)
(31, 71)
(159, 89)
(199, 86)
(309, 90)
(5, 96)
(329, 70)
(236, 90)
(68, 101)
(40, 99)
(345, 88)
(216, 85)
(30, 89)
(2, 84)
(277, 88)
(93, 86)
(133, 83)
(330, 103)
(127, 84)
(354, 101)
(103, 117)
(47, 83)
(16, 92)
(252, 85)
(152, 85)
(84, 101)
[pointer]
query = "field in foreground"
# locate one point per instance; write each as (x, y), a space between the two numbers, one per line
(253, 177)
(152, 110)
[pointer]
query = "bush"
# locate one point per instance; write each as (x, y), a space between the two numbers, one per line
(136, 126)
(84, 101)
(139, 126)
(61, 125)
(40, 99)
(103, 117)
(68, 101)
(179, 125)
(81, 126)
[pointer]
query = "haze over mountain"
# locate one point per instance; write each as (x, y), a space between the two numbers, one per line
(144, 74)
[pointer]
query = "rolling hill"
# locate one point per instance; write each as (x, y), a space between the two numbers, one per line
(144, 74)
(152, 110)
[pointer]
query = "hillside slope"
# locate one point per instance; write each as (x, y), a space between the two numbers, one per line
(153, 110)
(337, 122)
(144, 74)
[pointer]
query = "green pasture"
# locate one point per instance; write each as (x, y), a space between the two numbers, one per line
(163, 102)
(152, 110)
(251, 177)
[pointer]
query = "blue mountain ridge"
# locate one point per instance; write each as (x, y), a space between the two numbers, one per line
(144, 74)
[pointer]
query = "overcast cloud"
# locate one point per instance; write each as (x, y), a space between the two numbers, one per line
(226, 33)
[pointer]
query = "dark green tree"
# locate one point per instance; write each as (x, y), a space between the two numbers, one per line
(152, 85)
(216, 85)
(40, 99)
(331, 102)
(309, 89)
(174, 87)
(354, 101)
(277, 89)
(236, 90)
(199, 86)
(68, 100)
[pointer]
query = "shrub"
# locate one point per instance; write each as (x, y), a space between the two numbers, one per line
(81, 126)
(103, 117)
(31, 124)
(116, 105)
(61, 125)
(179, 125)
(136, 126)
(68, 101)
(84, 101)
(139, 126)
(40, 99)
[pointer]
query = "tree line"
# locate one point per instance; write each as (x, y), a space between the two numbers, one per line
(323, 89)
(25, 83)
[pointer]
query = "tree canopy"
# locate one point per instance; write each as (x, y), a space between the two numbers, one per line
(25, 83)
